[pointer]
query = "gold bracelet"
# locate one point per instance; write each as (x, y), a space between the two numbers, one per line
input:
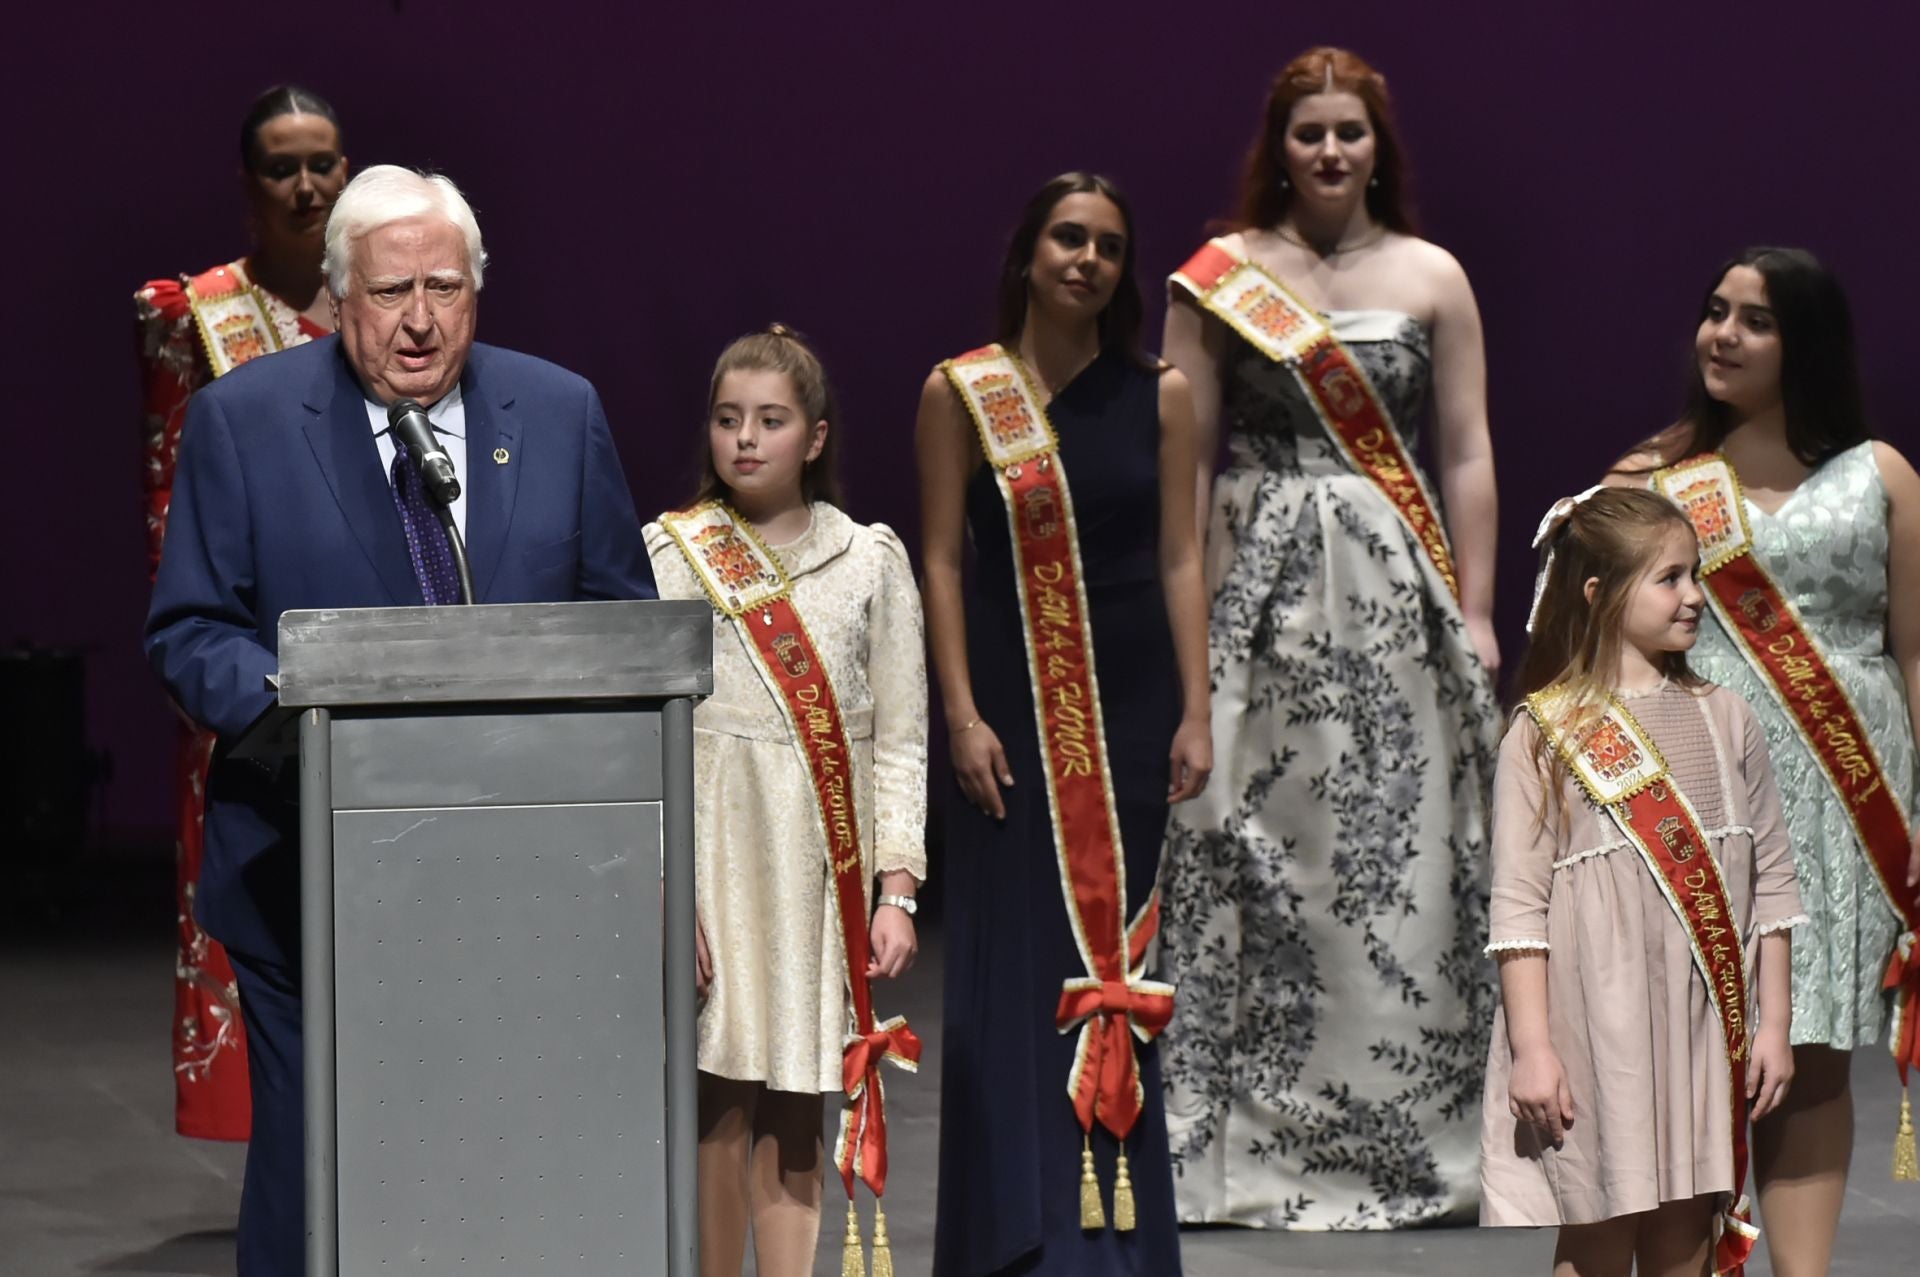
(971, 724)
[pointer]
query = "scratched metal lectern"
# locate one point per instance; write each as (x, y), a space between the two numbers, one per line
(499, 992)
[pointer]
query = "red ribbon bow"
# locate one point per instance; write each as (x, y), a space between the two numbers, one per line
(1106, 1080)
(1735, 1244)
(864, 1143)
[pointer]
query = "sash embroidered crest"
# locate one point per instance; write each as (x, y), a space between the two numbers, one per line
(231, 314)
(1110, 1002)
(1248, 299)
(1617, 764)
(1781, 649)
(745, 582)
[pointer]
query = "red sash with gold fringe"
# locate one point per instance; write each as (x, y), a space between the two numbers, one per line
(1781, 649)
(1248, 299)
(231, 314)
(1622, 771)
(1112, 1002)
(744, 581)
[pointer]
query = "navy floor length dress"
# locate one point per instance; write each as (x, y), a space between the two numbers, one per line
(1010, 1144)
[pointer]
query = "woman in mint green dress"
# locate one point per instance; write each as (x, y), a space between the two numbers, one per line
(1835, 517)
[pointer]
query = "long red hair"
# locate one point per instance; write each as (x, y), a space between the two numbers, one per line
(1265, 192)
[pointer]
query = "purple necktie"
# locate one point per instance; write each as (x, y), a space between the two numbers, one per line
(426, 540)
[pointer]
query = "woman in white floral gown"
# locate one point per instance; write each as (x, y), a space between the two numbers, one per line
(1326, 897)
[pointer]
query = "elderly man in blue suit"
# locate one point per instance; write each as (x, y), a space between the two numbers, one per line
(292, 493)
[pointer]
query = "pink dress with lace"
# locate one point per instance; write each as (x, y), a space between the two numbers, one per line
(1628, 1012)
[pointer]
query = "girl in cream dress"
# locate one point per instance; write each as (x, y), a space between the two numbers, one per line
(775, 1017)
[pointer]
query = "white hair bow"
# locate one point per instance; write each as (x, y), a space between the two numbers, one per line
(1557, 513)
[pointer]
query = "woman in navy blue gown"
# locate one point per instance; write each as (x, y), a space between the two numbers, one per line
(1011, 1145)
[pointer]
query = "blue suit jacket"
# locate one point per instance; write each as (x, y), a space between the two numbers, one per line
(280, 502)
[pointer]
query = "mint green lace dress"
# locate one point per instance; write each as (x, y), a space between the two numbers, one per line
(1827, 549)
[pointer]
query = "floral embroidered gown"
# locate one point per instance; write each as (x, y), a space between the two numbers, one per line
(1326, 897)
(209, 1041)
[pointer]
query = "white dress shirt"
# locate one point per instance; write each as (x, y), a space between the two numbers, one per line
(449, 421)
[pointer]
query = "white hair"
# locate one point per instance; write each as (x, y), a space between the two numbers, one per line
(388, 193)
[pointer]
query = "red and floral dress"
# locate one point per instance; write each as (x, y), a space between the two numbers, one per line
(209, 1041)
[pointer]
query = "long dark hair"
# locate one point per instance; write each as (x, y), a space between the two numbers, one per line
(1121, 321)
(1266, 192)
(281, 99)
(778, 348)
(1819, 373)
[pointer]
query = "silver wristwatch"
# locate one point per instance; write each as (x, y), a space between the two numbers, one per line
(899, 902)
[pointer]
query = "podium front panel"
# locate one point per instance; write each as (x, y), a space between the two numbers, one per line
(446, 758)
(498, 1037)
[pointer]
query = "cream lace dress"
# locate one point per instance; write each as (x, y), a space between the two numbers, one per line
(777, 1011)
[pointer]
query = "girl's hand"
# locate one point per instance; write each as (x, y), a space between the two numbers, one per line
(1913, 867)
(1485, 645)
(1190, 761)
(702, 956)
(980, 764)
(1769, 1071)
(894, 943)
(1538, 1092)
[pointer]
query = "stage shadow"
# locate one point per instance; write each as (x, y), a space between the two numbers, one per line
(208, 1253)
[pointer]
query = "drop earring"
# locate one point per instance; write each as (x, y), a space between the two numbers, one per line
(1373, 183)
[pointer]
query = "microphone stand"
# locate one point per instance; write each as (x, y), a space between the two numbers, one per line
(445, 515)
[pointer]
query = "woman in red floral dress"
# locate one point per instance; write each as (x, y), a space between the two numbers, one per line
(192, 329)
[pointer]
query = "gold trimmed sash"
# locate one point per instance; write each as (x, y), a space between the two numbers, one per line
(1622, 771)
(1112, 1001)
(1782, 650)
(745, 582)
(1248, 299)
(231, 314)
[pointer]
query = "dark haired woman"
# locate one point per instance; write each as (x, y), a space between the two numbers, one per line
(1067, 455)
(1773, 456)
(193, 329)
(1326, 898)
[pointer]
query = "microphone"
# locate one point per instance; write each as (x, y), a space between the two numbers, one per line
(408, 421)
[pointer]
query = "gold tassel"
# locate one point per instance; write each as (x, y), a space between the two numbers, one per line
(1122, 1196)
(853, 1258)
(1091, 1214)
(882, 1249)
(1906, 1166)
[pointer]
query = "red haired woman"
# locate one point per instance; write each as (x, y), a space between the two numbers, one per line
(1326, 897)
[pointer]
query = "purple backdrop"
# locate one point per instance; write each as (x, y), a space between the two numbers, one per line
(652, 185)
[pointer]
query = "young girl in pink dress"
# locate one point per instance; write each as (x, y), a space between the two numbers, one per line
(1612, 1110)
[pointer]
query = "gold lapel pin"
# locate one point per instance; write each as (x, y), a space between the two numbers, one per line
(499, 456)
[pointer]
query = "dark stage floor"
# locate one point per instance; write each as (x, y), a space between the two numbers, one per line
(94, 1181)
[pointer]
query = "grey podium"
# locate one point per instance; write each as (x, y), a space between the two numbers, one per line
(497, 910)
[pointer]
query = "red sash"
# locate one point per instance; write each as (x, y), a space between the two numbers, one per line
(1249, 300)
(1111, 1002)
(231, 313)
(1622, 771)
(744, 581)
(1782, 650)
